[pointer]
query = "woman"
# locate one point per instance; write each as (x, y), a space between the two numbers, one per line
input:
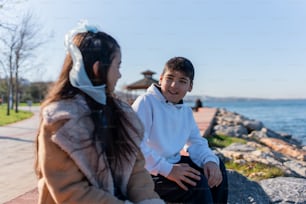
(87, 145)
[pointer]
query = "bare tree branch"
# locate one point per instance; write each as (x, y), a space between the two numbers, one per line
(20, 44)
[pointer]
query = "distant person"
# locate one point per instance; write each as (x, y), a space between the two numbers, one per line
(88, 140)
(169, 125)
(198, 104)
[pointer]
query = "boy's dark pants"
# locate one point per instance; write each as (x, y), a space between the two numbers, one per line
(201, 193)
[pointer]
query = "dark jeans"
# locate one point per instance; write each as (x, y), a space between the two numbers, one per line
(201, 193)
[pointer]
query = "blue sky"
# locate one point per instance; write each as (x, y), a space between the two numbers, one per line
(241, 48)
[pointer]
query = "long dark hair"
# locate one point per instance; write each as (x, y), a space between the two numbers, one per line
(110, 120)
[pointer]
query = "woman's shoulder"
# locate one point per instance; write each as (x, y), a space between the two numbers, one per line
(65, 109)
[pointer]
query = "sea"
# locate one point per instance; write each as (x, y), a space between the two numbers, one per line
(283, 116)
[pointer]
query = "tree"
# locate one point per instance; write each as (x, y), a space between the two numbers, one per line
(27, 43)
(5, 7)
(20, 42)
(11, 43)
(5, 25)
(38, 90)
(3, 89)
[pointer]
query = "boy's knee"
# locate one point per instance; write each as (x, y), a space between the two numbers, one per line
(202, 183)
(222, 166)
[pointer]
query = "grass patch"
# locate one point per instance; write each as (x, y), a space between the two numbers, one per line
(13, 117)
(255, 171)
(222, 141)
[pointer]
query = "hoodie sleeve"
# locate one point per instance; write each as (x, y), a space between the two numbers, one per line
(155, 164)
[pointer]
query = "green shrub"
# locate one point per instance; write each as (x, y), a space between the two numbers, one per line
(222, 141)
(255, 170)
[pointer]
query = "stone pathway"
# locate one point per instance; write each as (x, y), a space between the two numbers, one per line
(17, 157)
(204, 118)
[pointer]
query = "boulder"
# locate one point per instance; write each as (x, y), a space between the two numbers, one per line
(234, 131)
(284, 148)
(285, 189)
(243, 190)
(252, 125)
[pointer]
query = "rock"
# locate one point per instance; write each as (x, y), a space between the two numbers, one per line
(278, 190)
(257, 134)
(238, 147)
(298, 167)
(264, 146)
(243, 190)
(284, 148)
(286, 137)
(234, 131)
(285, 189)
(252, 125)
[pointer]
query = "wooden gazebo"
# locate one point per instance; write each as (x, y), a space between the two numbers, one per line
(142, 83)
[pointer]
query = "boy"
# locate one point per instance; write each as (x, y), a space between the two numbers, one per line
(169, 125)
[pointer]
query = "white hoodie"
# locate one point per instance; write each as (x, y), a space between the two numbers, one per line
(168, 127)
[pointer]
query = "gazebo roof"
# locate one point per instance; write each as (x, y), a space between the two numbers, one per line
(148, 72)
(143, 83)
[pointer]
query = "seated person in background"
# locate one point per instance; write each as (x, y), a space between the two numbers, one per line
(197, 105)
(169, 125)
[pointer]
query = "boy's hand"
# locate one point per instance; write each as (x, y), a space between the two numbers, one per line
(183, 173)
(213, 174)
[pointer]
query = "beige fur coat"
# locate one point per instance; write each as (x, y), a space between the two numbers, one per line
(70, 168)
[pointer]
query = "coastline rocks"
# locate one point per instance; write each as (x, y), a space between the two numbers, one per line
(227, 118)
(265, 146)
(234, 131)
(240, 126)
(253, 124)
(284, 148)
(243, 190)
(290, 190)
(278, 190)
(253, 152)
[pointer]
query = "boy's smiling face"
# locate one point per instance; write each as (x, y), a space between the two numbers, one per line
(174, 85)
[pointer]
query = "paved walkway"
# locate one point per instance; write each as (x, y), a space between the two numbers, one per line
(17, 157)
(17, 178)
(204, 118)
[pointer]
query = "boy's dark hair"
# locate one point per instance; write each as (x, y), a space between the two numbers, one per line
(180, 64)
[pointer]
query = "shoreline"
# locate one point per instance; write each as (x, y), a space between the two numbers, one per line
(283, 116)
(263, 146)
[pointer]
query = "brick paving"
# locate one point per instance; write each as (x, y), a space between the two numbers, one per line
(17, 157)
(204, 118)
